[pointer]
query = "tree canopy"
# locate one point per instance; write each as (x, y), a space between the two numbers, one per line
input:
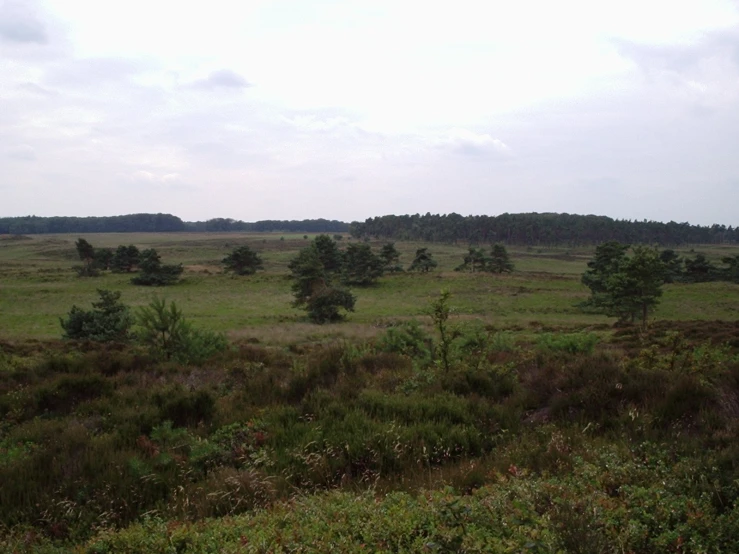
(109, 320)
(316, 273)
(622, 285)
(243, 261)
(538, 229)
(423, 261)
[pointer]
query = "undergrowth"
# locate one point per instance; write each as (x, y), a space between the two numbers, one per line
(576, 445)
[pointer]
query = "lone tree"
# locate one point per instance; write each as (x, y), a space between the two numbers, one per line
(109, 320)
(315, 272)
(360, 266)
(628, 286)
(243, 261)
(423, 261)
(152, 273)
(499, 261)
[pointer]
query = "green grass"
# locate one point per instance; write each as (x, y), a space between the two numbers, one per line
(39, 286)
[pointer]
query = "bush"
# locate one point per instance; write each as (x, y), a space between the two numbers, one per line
(109, 320)
(573, 343)
(185, 409)
(166, 332)
(408, 339)
(155, 274)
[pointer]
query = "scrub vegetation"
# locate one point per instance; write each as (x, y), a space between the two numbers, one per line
(479, 410)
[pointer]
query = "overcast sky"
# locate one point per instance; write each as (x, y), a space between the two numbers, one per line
(351, 109)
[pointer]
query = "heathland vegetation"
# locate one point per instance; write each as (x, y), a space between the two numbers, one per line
(508, 406)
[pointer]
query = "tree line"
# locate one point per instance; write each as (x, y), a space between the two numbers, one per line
(535, 229)
(159, 223)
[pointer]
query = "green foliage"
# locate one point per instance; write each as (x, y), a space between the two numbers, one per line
(731, 271)
(572, 343)
(243, 261)
(423, 261)
(440, 311)
(409, 339)
(314, 273)
(607, 262)
(329, 254)
(390, 258)
(324, 304)
(499, 261)
(152, 273)
(625, 286)
(125, 259)
(85, 250)
(109, 320)
(86, 253)
(474, 260)
(360, 266)
(700, 269)
(168, 335)
(673, 265)
(635, 289)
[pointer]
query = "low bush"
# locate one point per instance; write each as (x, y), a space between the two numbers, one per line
(571, 343)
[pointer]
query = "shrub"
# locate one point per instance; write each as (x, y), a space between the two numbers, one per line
(243, 261)
(109, 320)
(185, 409)
(408, 339)
(166, 332)
(152, 273)
(572, 343)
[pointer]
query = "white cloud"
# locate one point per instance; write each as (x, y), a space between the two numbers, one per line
(22, 152)
(19, 23)
(467, 142)
(361, 109)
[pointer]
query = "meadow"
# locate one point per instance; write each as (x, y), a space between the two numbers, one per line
(551, 430)
(38, 287)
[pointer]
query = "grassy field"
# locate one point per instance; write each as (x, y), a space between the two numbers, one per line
(553, 431)
(38, 286)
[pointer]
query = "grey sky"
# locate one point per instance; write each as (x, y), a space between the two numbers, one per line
(346, 109)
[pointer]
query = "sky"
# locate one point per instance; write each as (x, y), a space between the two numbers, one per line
(349, 109)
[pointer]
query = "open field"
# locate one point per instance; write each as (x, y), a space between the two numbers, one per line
(38, 286)
(546, 429)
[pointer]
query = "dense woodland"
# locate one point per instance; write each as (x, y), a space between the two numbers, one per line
(547, 229)
(533, 229)
(158, 223)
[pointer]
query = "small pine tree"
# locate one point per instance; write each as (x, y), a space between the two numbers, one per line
(390, 258)
(152, 273)
(109, 320)
(86, 253)
(360, 266)
(125, 259)
(499, 261)
(314, 272)
(243, 261)
(423, 261)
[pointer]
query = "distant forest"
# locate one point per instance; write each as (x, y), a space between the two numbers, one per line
(524, 229)
(536, 229)
(158, 223)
